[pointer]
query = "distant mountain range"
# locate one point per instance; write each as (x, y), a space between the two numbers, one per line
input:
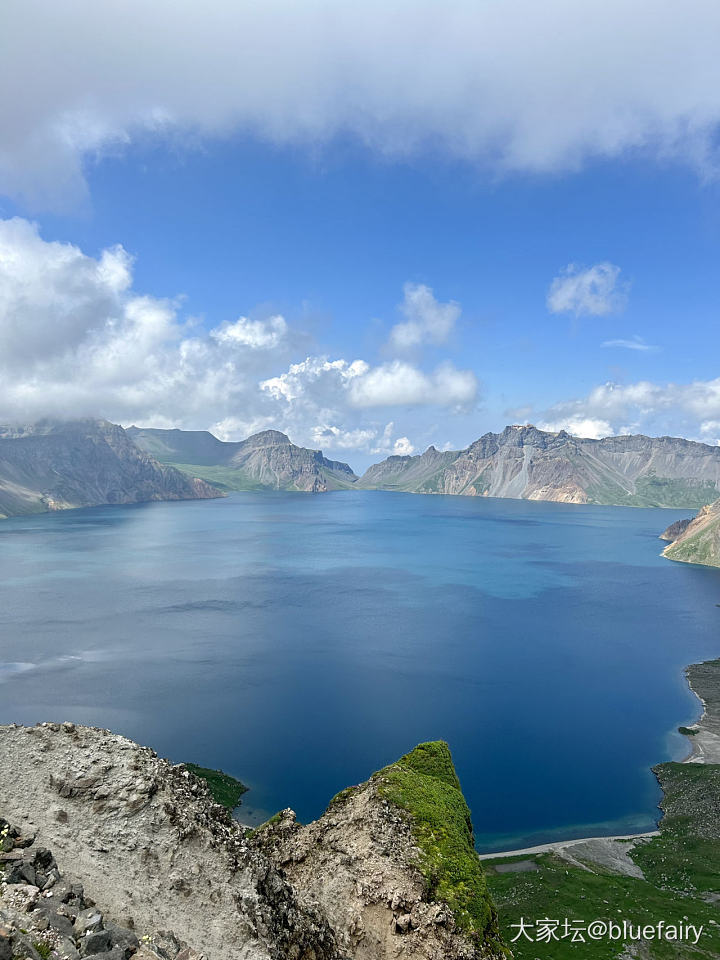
(265, 461)
(54, 465)
(530, 464)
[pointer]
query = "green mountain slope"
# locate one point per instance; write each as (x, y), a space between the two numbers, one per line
(56, 465)
(696, 540)
(265, 461)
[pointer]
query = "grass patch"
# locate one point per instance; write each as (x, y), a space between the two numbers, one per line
(686, 855)
(225, 790)
(342, 795)
(254, 831)
(653, 491)
(425, 784)
(681, 880)
(688, 731)
(559, 890)
(44, 949)
(225, 478)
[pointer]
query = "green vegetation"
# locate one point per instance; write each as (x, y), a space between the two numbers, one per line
(231, 478)
(686, 855)
(253, 831)
(342, 795)
(653, 491)
(559, 890)
(687, 731)
(702, 546)
(682, 880)
(425, 784)
(44, 949)
(225, 790)
(225, 478)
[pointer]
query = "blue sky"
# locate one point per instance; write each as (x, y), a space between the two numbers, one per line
(367, 285)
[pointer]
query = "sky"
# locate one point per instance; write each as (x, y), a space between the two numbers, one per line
(375, 227)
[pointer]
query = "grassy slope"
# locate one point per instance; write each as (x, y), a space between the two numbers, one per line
(225, 790)
(424, 783)
(651, 491)
(682, 873)
(700, 547)
(226, 478)
(229, 478)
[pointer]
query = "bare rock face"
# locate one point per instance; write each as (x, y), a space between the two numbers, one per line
(147, 842)
(372, 865)
(523, 462)
(675, 529)
(267, 460)
(58, 465)
(388, 873)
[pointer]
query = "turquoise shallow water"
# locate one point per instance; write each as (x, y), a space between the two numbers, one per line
(300, 642)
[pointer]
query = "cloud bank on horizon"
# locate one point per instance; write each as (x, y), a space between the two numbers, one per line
(511, 89)
(514, 86)
(77, 339)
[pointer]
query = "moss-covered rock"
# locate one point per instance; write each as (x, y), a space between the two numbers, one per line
(425, 784)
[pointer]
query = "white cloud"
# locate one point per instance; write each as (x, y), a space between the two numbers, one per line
(300, 378)
(258, 334)
(368, 440)
(579, 427)
(77, 340)
(428, 321)
(637, 343)
(402, 384)
(392, 384)
(587, 291)
(518, 85)
(677, 409)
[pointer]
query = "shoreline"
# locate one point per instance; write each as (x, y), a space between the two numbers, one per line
(555, 845)
(704, 748)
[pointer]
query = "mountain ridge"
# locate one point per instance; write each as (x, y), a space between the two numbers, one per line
(58, 465)
(523, 462)
(265, 460)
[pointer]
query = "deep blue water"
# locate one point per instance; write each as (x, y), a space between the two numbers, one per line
(301, 642)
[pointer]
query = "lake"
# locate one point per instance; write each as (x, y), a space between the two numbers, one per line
(302, 641)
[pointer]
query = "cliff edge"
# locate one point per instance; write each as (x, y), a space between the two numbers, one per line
(388, 872)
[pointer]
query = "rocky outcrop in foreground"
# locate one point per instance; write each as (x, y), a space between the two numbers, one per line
(155, 853)
(371, 861)
(43, 915)
(530, 464)
(696, 540)
(84, 463)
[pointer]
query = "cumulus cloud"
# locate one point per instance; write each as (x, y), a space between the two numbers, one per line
(401, 384)
(370, 439)
(428, 321)
(680, 409)
(587, 291)
(461, 77)
(393, 384)
(76, 339)
(258, 334)
(579, 427)
(636, 343)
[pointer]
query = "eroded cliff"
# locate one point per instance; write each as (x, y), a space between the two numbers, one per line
(56, 465)
(155, 854)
